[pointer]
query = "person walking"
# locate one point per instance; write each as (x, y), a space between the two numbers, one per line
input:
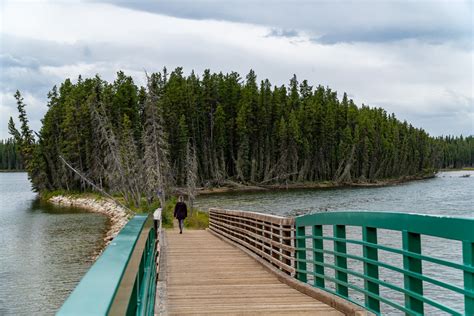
(180, 212)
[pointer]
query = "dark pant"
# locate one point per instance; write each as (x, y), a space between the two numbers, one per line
(181, 224)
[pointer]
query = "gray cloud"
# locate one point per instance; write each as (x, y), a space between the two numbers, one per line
(404, 63)
(330, 22)
(282, 33)
(432, 36)
(8, 61)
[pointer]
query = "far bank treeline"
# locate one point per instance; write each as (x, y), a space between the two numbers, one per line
(10, 157)
(190, 131)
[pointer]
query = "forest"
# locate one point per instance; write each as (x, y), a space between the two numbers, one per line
(10, 157)
(215, 129)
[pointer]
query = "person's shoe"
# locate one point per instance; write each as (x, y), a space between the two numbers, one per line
(180, 232)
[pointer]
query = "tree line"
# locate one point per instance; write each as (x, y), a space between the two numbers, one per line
(10, 158)
(215, 129)
(457, 152)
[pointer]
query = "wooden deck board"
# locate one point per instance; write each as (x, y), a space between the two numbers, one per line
(207, 276)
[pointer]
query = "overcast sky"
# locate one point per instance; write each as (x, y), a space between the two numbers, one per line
(413, 58)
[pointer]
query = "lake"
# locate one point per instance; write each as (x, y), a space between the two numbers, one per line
(44, 251)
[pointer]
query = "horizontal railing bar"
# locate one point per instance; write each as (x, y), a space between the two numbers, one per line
(108, 284)
(285, 221)
(279, 263)
(254, 228)
(123, 294)
(395, 250)
(238, 219)
(257, 241)
(358, 289)
(260, 237)
(382, 299)
(385, 284)
(145, 286)
(432, 225)
(388, 266)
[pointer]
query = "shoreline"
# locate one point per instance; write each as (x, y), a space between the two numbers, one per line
(242, 188)
(117, 216)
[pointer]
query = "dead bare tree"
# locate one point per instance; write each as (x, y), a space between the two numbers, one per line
(191, 175)
(343, 173)
(155, 160)
(131, 163)
(113, 166)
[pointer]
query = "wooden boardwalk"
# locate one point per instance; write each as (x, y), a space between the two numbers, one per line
(206, 275)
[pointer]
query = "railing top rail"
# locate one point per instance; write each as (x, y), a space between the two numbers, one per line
(257, 216)
(95, 293)
(437, 226)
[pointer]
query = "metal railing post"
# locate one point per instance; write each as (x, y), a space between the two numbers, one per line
(340, 261)
(412, 243)
(468, 260)
(369, 234)
(318, 255)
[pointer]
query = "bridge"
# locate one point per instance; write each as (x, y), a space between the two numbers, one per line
(334, 263)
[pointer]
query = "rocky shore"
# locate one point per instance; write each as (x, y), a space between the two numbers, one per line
(117, 215)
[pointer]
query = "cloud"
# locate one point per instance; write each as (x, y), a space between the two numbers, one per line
(332, 21)
(282, 33)
(433, 36)
(35, 110)
(425, 79)
(8, 61)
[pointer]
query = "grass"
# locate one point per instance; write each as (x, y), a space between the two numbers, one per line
(167, 213)
(197, 220)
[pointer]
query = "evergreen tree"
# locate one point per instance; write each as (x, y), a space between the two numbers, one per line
(196, 131)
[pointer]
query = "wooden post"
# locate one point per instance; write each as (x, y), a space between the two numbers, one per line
(301, 254)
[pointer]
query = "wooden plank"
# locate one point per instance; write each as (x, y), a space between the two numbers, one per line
(207, 276)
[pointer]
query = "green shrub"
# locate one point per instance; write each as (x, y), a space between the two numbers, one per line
(168, 212)
(197, 220)
(46, 195)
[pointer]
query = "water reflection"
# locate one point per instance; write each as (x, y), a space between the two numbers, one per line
(44, 251)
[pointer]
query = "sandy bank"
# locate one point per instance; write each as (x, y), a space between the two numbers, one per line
(117, 215)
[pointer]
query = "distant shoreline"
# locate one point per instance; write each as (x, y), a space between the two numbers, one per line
(457, 169)
(8, 170)
(237, 187)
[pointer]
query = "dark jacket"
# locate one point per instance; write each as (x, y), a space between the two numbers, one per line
(180, 210)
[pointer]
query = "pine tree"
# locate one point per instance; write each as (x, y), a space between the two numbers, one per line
(155, 159)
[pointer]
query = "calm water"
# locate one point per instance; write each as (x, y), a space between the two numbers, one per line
(447, 194)
(44, 251)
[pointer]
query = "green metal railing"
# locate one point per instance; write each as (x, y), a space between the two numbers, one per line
(123, 280)
(310, 261)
